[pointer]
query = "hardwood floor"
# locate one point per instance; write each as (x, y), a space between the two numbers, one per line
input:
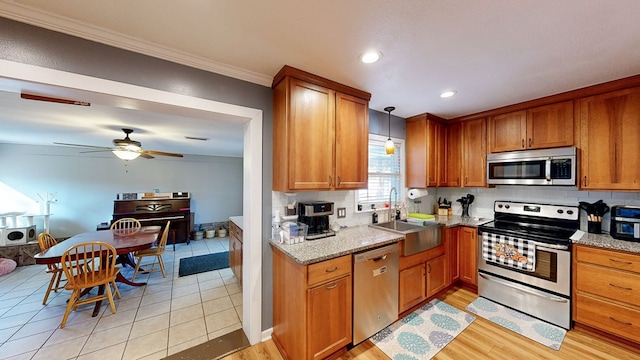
(481, 340)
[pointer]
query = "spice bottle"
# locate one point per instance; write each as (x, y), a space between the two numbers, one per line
(374, 217)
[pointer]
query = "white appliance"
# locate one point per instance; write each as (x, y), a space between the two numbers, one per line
(17, 236)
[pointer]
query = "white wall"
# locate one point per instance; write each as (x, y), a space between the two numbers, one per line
(86, 184)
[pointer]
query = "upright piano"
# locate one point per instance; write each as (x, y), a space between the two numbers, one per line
(157, 211)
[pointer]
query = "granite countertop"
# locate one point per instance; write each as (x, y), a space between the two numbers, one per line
(237, 220)
(456, 220)
(346, 241)
(608, 242)
(356, 239)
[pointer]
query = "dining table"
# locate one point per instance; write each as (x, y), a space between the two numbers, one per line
(124, 243)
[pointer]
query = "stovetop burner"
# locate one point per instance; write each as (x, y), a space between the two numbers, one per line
(553, 224)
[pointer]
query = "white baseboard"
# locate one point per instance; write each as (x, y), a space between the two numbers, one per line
(266, 334)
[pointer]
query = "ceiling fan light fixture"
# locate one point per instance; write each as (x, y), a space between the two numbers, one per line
(126, 154)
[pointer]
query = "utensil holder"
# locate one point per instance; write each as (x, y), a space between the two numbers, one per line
(594, 227)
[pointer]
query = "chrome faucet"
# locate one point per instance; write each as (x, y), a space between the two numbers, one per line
(391, 208)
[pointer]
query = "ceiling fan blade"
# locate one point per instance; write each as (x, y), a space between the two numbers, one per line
(145, 155)
(161, 153)
(94, 151)
(86, 146)
(54, 100)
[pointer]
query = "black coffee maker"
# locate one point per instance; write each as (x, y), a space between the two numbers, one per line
(315, 214)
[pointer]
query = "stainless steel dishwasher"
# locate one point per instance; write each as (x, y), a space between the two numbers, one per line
(375, 291)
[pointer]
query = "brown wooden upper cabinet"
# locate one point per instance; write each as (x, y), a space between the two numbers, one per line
(320, 133)
(545, 126)
(474, 153)
(425, 137)
(610, 140)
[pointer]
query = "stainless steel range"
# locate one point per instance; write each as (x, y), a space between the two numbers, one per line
(524, 259)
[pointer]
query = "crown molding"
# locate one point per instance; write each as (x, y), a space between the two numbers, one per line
(25, 14)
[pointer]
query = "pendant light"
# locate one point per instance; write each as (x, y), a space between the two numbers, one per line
(389, 146)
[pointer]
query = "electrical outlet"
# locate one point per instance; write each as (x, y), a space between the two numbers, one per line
(342, 212)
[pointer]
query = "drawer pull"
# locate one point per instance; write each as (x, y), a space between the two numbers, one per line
(331, 287)
(621, 262)
(620, 287)
(331, 270)
(621, 322)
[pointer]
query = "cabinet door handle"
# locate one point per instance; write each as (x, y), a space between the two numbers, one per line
(620, 287)
(429, 267)
(466, 180)
(585, 181)
(331, 270)
(621, 262)
(339, 181)
(529, 142)
(330, 180)
(331, 287)
(618, 321)
(523, 143)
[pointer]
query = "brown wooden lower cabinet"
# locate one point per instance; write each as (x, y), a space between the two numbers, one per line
(607, 291)
(235, 250)
(312, 307)
(468, 260)
(414, 284)
(451, 242)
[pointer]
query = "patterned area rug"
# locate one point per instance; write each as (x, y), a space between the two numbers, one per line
(523, 324)
(423, 333)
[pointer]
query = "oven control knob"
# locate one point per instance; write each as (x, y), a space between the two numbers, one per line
(560, 211)
(507, 206)
(570, 212)
(500, 206)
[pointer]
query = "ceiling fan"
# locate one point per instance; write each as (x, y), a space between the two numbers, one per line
(125, 149)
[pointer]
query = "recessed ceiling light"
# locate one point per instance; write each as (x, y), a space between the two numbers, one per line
(449, 93)
(370, 57)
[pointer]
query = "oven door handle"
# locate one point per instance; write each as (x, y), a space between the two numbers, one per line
(550, 246)
(523, 289)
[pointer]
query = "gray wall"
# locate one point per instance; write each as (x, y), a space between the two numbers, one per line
(40, 47)
(86, 184)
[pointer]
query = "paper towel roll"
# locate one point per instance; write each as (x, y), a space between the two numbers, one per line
(417, 193)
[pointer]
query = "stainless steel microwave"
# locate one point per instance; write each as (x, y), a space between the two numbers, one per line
(534, 167)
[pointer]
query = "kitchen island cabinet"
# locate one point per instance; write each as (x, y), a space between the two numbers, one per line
(610, 141)
(312, 307)
(607, 291)
(320, 133)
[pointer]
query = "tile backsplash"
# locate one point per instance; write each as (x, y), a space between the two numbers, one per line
(481, 207)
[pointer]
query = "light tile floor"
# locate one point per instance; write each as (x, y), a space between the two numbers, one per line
(164, 317)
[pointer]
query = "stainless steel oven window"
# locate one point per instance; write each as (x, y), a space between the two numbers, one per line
(546, 266)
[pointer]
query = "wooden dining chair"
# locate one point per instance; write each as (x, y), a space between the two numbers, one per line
(126, 226)
(87, 265)
(156, 251)
(45, 241)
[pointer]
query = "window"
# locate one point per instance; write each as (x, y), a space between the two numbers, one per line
(385, 172)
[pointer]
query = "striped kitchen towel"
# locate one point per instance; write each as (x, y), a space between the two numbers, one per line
(509, 251)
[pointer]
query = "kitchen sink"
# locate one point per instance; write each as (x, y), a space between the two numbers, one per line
(417, 238)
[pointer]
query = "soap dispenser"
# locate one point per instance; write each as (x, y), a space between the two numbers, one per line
(374, 217)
